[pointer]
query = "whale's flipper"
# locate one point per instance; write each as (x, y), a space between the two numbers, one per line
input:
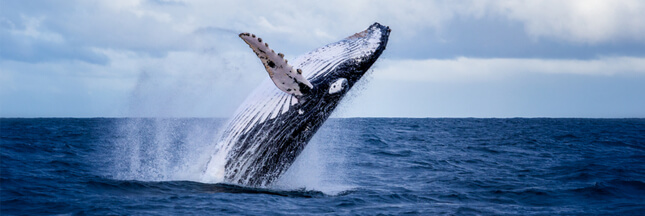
(285, 77)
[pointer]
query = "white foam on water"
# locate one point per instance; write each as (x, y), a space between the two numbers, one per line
(321, 166)
(156, 149)
(186, 150)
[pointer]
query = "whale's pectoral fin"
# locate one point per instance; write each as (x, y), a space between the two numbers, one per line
(285, 77)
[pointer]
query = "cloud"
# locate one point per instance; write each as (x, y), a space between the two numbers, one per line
(47, 31)
(34, 43)
(580, 21)
(180, 51)
(181, 84)
(480, 69)
(158, 27)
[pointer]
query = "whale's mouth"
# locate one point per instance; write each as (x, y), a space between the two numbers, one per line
(370, 42)
(377, 33)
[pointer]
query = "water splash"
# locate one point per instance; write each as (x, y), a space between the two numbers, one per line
(167, 149)
(322, 165)
(157, 149)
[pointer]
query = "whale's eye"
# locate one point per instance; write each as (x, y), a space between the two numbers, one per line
(337, 86)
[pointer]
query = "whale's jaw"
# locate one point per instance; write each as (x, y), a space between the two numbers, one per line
(271, 127)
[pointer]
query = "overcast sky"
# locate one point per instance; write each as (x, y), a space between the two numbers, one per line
(164, 58)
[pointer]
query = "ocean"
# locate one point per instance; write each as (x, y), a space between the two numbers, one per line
(354, 166)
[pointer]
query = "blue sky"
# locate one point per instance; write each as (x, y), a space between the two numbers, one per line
(577, 58)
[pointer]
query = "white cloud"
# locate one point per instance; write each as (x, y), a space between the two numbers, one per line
(478, 69)
(33, 29)
(144, 26)
(190, 48)
(582, 21)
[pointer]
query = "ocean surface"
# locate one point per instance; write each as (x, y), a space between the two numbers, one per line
(359, 166)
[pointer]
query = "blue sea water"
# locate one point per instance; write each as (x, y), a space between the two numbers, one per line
(358, 166)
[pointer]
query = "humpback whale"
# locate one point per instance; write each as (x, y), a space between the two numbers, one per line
(274, 124)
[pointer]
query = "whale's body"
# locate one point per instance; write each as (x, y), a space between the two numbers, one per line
(272, 127)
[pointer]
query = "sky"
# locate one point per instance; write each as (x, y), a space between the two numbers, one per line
(176, 58)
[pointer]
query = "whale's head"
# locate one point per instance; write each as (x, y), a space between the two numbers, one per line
(333, 69)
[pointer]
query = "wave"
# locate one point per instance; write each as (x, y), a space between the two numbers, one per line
(125, 187)
(615, 188)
